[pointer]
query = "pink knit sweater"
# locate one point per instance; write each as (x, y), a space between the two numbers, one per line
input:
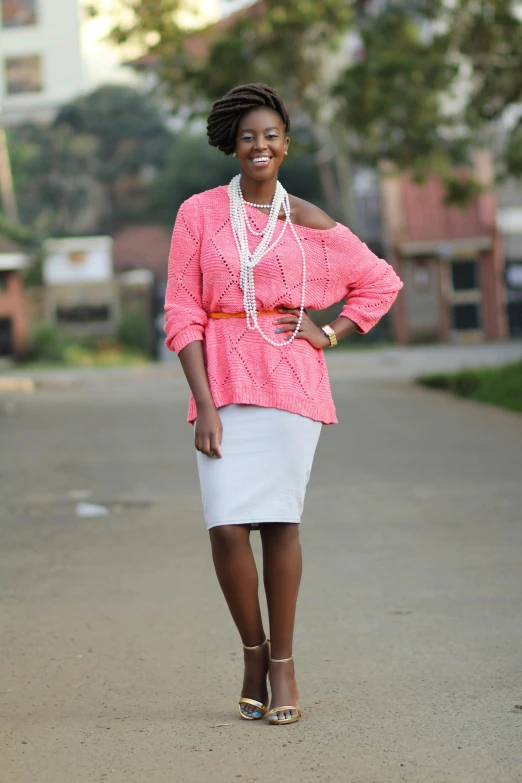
(203, 277)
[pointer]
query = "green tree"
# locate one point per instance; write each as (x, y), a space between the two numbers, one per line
(132, 139)
(89, 170)
(283, 42)
(430, 76)
(15, 232)
(194, 166)
(487, 34)
(52, 170)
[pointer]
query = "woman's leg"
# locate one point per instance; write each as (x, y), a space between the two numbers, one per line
(237, 575)
(282, 567)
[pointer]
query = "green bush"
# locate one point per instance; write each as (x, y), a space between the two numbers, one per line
(500, 386)
(465, 383)
(133, 333)
(48, 344)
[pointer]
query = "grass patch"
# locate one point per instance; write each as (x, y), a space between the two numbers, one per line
(501, 386)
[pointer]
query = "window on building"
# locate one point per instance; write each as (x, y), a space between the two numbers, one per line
(83, 314)
(464, 275)
(514, 274)
(23, 75)
(465, 316)
(3, 281)
(18, 13)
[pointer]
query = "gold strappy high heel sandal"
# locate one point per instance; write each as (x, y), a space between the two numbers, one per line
(261, 708)
(285, 707)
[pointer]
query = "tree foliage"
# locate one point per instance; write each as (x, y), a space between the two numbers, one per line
(283, 42)
(52, 175)
(130, 135)
(89, 168)
(426, 81)
(389, 99)
(16, 232)
(193, 166)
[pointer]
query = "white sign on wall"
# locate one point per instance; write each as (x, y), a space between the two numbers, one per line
(78, 260)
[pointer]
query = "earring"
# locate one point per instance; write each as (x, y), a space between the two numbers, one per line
(286, 153)
(234, 155)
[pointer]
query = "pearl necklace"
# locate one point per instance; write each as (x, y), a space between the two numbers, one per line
(249, 260)
(258, 206)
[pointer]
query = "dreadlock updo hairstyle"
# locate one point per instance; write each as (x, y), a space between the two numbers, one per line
(224, 118)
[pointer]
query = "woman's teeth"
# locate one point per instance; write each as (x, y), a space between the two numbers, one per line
(260, 160)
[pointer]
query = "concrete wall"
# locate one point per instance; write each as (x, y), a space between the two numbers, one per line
(55, 39)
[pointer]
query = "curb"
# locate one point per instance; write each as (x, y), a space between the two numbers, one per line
(10, 384)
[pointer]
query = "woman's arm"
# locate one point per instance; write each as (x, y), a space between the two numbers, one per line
(185, 321)
(209, 430)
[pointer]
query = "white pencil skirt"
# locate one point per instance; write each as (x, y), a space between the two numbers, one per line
(264, 470)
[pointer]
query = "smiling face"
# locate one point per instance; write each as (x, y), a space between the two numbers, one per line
(261, 143)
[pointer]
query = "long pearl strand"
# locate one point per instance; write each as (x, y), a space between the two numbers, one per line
(258, 206)
(248, 261)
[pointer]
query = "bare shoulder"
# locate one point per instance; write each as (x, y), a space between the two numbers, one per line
(306, 214)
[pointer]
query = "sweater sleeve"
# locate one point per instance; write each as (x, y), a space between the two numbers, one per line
(372, 286)
(185, 318)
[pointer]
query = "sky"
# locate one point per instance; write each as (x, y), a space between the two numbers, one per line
(102, 62)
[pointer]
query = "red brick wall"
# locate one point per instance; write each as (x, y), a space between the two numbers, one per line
(12, 305)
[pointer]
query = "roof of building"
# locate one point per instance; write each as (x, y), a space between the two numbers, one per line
(142, 247)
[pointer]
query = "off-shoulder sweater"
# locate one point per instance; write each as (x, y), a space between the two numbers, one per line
(242, 368)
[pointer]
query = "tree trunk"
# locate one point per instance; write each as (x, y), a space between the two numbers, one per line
(6, 180)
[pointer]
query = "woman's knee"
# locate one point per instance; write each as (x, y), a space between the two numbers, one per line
(280, 534)
(229, 537)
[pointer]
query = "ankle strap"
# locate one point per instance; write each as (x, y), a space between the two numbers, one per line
(281, 660)
(256, 647)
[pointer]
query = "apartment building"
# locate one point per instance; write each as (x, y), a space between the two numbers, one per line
(450, 259)
(40, 57)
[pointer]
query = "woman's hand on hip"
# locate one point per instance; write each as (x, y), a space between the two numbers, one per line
(209, 431)
(307, 331)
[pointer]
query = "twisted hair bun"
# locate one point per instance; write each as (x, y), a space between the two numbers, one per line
(224, 118)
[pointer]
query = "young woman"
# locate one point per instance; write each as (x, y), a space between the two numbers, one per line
(246, 262)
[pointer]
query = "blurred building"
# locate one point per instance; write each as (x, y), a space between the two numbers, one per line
(14, 326)
(142, 246)
(81, 292)
(40, 58)
(450, 260)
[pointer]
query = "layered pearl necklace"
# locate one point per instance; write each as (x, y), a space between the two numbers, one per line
(248, 260)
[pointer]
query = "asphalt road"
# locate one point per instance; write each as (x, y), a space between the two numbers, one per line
(120, 662)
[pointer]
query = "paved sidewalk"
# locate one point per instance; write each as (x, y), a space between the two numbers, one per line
(120, 662)
(391, 362)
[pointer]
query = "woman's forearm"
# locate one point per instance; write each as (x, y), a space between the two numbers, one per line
(193, 363)
(343, 326)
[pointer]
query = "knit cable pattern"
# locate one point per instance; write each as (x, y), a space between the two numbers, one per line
(242, 368)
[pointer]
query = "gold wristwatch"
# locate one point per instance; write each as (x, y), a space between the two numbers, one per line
(329, 332)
